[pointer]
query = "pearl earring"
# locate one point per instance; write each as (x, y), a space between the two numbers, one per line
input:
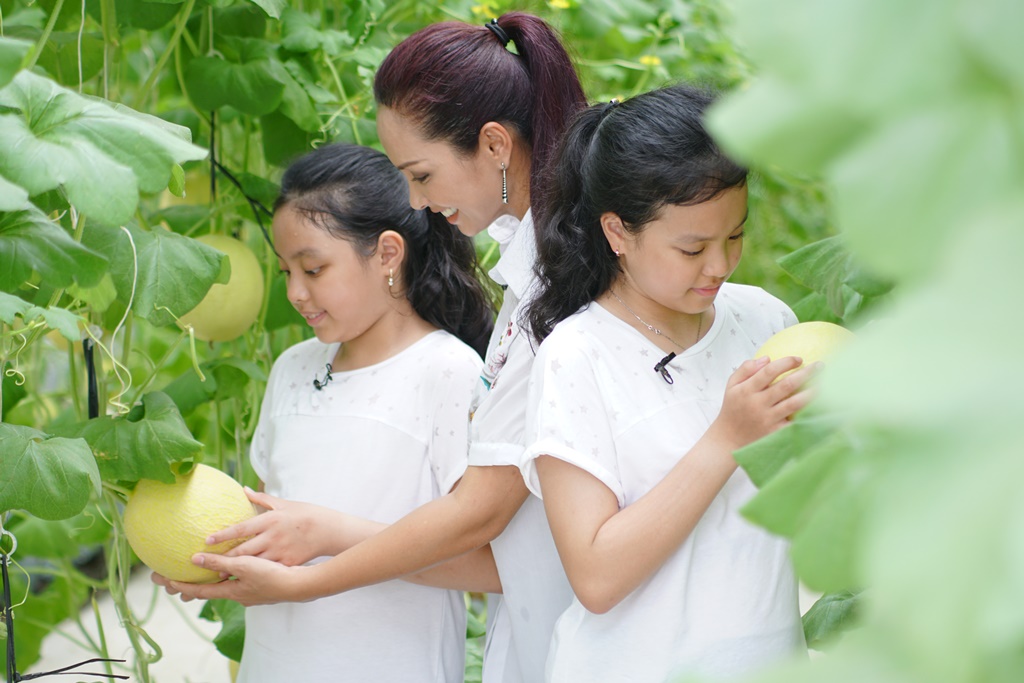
(391, 278)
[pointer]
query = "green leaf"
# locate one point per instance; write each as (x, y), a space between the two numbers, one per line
(168, 271)
(225, 378)
(60, 56)
(12, 197)
(142, 444)
(49, 477)
(100, 155)
(271, 7)
(251, 87)
(231, 614)
(40, 614)
(301, 33)
(282, 139)
(763, 459)
(44, 539)
(829, 617)
(280, 312)
(177, 184)
(12, 54)
(296, 103)
(32, 243)
(100, 297)
(11, 392)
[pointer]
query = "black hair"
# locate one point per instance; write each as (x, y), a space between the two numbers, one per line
(632, 159)
(355, 194)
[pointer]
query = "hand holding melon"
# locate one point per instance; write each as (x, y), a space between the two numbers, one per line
(166, 524)
(811, 341)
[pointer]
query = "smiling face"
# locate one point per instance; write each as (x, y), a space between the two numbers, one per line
(338, 291)
(678, 262)
(466, 190)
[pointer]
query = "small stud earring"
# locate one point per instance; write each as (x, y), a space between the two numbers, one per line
(504, 185)
(391, 278)
(617, 252)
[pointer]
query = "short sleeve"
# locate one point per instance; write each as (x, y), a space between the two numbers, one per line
(568, 418)
(263, 437)
(449, 441)
(499, 420)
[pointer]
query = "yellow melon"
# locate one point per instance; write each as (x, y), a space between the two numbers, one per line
(812, 341)
(166, 524)
(229, 309)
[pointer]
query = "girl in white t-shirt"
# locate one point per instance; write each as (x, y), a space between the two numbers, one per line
(370, 418)
(641, 391)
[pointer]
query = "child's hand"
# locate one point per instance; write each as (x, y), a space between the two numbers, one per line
(754, 407)
(286, 532)
(253, 581)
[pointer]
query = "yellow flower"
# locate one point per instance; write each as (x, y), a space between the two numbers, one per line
(650, 60)
(559, 4)
(484, 10)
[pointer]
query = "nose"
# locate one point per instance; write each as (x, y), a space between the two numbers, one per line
(417, 200)
(718, 261)
(296, 290)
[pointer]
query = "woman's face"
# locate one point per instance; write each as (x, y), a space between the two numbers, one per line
(679, 261)
(466, 190)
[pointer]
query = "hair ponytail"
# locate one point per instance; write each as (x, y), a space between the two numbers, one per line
(441, 283)
(631, 159)
(355, 194)
(451, 78)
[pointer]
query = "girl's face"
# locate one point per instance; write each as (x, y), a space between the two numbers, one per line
(338, 291)
(680, 261)
(466, 190)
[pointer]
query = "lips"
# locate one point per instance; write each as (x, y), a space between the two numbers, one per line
(314, 318)
(449, 212)
(707, 291)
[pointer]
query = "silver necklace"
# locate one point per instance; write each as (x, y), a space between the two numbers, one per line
(652, 328)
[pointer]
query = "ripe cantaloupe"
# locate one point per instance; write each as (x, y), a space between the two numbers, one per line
(166, 524)
(229, 309)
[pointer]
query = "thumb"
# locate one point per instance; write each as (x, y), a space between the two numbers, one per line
(264, 500)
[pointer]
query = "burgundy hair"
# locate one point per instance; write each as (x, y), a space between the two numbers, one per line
(451, 78)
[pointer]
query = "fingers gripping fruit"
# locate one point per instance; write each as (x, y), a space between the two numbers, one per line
(811, 341)
(229, 309)
(168, 523)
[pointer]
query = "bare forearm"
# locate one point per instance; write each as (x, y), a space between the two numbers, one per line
(449, 527)
(634, 542)
(474, 571)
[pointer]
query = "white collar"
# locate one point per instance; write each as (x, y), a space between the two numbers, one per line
(518, 249)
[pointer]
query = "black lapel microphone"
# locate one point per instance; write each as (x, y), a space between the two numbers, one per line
(660, 367)
(327, 378)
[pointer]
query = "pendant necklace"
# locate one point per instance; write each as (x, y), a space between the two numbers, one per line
(662, 366)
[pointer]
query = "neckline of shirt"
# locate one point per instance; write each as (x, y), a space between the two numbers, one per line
(702, 343)
(332, 351)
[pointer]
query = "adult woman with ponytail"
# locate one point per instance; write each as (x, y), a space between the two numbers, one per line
(641, 391)
(472, 126)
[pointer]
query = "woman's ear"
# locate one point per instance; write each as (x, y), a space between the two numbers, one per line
(390, 254)
(614, 232)
(495, 141)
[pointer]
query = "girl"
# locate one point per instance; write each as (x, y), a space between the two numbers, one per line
(472, 125)
(635, 415)
(371, 417)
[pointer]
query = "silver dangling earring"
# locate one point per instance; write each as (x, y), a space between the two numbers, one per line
(504, 185)
(391, 278)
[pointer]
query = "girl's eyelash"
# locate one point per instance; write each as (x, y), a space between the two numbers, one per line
(739, 236)
(421, 178)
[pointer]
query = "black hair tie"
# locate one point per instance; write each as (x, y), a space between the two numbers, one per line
(498, 31)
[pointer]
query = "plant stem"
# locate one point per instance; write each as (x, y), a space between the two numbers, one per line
(156, 368)
(41, 43)
(172, 45)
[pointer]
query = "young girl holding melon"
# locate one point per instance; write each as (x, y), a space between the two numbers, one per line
(642, 389)
(370, 418)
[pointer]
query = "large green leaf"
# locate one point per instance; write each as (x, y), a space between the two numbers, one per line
(40, 614)
(271, 7)
(142, 444)
(12, 197)
(171, 273)
(251, 87)
(50, 477)
(828, 268)
(100, 156)
(12, 52)
(32, 243)
(61, 57)
(224, 378)
(828, 617)
(301, 33)
(44, 539)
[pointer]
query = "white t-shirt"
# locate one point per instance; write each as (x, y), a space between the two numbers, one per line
(519, 622)
(377, 443)
(724, 602)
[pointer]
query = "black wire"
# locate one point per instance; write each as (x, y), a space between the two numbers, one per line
(254, 203)
(90, 369)
(12, 669)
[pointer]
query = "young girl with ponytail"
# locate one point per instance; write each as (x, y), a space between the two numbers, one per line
(641, 391)
(370, 417)
(472, 124)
